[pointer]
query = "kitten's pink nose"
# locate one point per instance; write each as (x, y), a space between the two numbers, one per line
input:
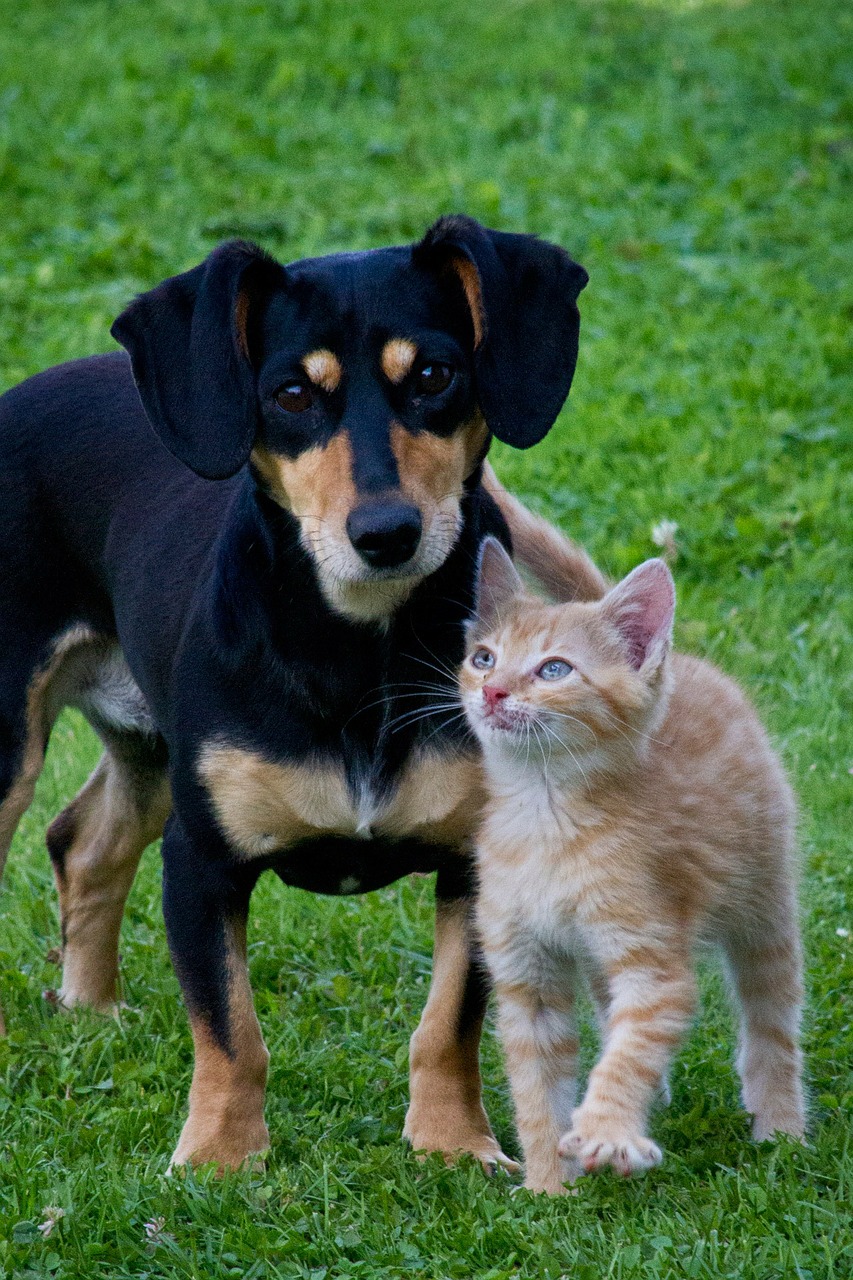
(492, 695)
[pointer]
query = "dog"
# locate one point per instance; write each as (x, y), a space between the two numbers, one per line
(245, 547)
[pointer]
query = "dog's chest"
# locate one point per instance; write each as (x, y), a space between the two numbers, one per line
(265, 806)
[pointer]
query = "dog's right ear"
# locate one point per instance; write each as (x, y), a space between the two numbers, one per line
(189, 346)
(522, 295)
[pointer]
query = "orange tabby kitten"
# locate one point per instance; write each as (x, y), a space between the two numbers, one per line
(635, 807)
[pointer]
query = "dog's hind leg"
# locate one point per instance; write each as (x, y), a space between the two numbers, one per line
(28, 709)
(21, 761)
(95, 845)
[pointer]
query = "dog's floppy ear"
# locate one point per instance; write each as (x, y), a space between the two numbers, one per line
(188, 341)
(522, 294)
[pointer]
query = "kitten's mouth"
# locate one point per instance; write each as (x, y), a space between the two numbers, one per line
(506, 719)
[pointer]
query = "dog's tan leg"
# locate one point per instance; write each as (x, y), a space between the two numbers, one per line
(95, 845)
(446, 1111)
(226, 1124)
(23, 741)
(15, 803)
(20, 794)
(21, 768)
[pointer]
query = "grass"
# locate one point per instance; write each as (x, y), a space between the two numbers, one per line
(696, 156)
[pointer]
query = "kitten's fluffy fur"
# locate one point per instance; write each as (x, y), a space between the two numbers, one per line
(635, 807)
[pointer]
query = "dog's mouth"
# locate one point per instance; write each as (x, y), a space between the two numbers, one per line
(386, 573)
(367, 589)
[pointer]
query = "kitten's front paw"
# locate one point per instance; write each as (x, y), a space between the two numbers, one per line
(595, 1143)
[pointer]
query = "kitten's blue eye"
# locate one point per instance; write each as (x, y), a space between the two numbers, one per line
(555, 669)
(483, 659)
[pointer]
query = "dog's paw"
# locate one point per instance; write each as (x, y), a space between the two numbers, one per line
(594, 1144)
(453, 1135)
(67, 1000)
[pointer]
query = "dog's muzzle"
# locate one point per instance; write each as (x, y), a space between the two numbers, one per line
(386, 533)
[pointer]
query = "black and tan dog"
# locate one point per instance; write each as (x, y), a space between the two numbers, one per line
(253, 652)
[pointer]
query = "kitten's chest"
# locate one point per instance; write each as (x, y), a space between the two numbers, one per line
(537, 884)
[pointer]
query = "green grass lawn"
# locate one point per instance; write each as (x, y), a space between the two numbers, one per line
(697, 157)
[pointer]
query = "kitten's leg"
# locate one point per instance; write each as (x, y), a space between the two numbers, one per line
(767, 977)
(540, 1043)
(599, 989)
(651, 1003)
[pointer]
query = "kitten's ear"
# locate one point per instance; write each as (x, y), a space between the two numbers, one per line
(497, 583)
(642, 608)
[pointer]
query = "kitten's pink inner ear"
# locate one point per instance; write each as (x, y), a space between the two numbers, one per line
(642, 608)
(497, 582)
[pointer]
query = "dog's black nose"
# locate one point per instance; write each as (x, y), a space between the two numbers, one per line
(385, 533)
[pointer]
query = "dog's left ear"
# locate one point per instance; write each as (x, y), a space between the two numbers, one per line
(522, 293)
(189, 344)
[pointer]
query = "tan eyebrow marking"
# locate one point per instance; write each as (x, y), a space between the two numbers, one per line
(397, 358)
(323, 368)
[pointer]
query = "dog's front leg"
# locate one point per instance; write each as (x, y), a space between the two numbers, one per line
(446, 1110)
(206, 902)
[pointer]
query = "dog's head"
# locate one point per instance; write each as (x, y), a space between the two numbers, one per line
(362, 388)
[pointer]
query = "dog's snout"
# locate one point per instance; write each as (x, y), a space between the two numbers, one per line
(385, 533)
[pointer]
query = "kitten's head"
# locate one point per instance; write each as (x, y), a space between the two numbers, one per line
(581, 681)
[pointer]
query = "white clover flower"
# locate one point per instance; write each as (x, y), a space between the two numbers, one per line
(52, 1214)
(663, 536)
(663, 533)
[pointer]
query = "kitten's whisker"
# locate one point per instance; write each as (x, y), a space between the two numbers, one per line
(658, 741)
(545, 762)
(440, 669)
(398, 697)
(564, 715)
(575, 759)
(444, 725)
(422, 713)
(391, 697)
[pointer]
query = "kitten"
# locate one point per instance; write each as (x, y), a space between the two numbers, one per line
(635, 806)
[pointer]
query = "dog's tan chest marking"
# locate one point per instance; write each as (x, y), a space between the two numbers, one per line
(264, 806)
(439, 800)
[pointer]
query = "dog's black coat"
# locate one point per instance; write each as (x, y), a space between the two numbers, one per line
(172, 546)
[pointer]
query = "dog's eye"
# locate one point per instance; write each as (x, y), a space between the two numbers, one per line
(555, 669)
(296, 397)
(483, 659)
(434, 378)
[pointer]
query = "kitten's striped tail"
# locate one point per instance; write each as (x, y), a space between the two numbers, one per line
(562, 567)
